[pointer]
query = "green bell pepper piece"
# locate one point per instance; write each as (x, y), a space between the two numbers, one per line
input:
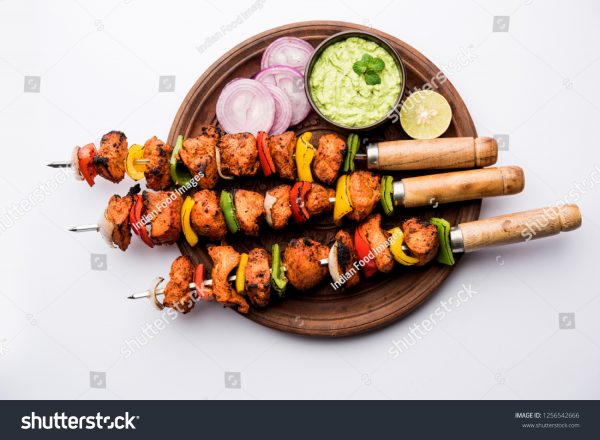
(352, 145)
(179, 173)
(227, 206)
(278, 278)
(445, 255)
(386, 194)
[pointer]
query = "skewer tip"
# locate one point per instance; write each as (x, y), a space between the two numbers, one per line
(59, 164)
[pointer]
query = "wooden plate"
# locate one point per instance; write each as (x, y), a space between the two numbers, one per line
(325, 311)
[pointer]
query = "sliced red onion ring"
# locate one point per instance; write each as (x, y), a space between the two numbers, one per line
(75, 164)
(245, 105)
(283, 110)
(106, 228)
(218, 159)
(291, 82)
(268, 205)
(287, 51)
(332, 264)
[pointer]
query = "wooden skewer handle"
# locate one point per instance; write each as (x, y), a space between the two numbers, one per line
(462, 185)
(519, 227)
(440, 153)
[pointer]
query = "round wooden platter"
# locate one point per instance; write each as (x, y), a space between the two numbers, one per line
(323, 311)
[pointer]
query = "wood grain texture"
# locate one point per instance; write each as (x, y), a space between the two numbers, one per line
(324, 311)
(520, 226)
(437, 154)
(462, 185)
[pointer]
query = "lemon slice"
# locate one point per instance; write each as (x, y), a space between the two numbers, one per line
(425, 115)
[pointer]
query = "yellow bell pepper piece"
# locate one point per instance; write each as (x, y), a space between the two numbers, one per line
(305, 152)
(396, 248)
(240, 275)
(186, 211)
(135, 171)
(343, 204)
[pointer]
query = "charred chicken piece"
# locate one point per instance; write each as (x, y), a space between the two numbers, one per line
(421, 238)
(280, 210)
(258, 277)
(198, 155)
(206, 217)
(163, 209)
(239, 154)
(377, 239)
(110, 159)
(302, 260)
(249, 210)
(225, 259)
(117, 213)
(178, 295)
(157, 171)
(317, 199)
(364, 188)
(282, 149)
(329, 158)
(346, 256)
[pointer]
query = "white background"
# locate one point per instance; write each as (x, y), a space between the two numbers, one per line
(100, 62)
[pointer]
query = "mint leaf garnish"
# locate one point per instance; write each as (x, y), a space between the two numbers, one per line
(370, 67)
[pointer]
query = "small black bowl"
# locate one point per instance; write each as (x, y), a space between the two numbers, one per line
(367, 36)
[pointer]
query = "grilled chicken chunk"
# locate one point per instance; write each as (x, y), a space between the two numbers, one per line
(346, 256)
(282, 149)
(225, 259)
(239, 154)
(364, 188)
(206, 217)
(317, 199)
(118, 214)
(163, 209)
(280, 211)
(110, 159)
(258, 277)
(377, 239)
(157, 173)
(198, 155)
(329, 158)
(421, 239)
(249, 210)
(178, 295)
(301, 258)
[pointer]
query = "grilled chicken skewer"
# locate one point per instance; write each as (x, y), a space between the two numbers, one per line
(205, 283)
(212, 154)
(304, 264)
(356, 196)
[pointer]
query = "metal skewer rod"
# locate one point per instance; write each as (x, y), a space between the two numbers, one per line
(84, 228)
(67, 164)
(206, 283)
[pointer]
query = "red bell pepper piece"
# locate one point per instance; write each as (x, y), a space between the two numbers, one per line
(135, 220)
(86, 163)
(362, 252)
(201, 292)
(264, 155)
(298, 199)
